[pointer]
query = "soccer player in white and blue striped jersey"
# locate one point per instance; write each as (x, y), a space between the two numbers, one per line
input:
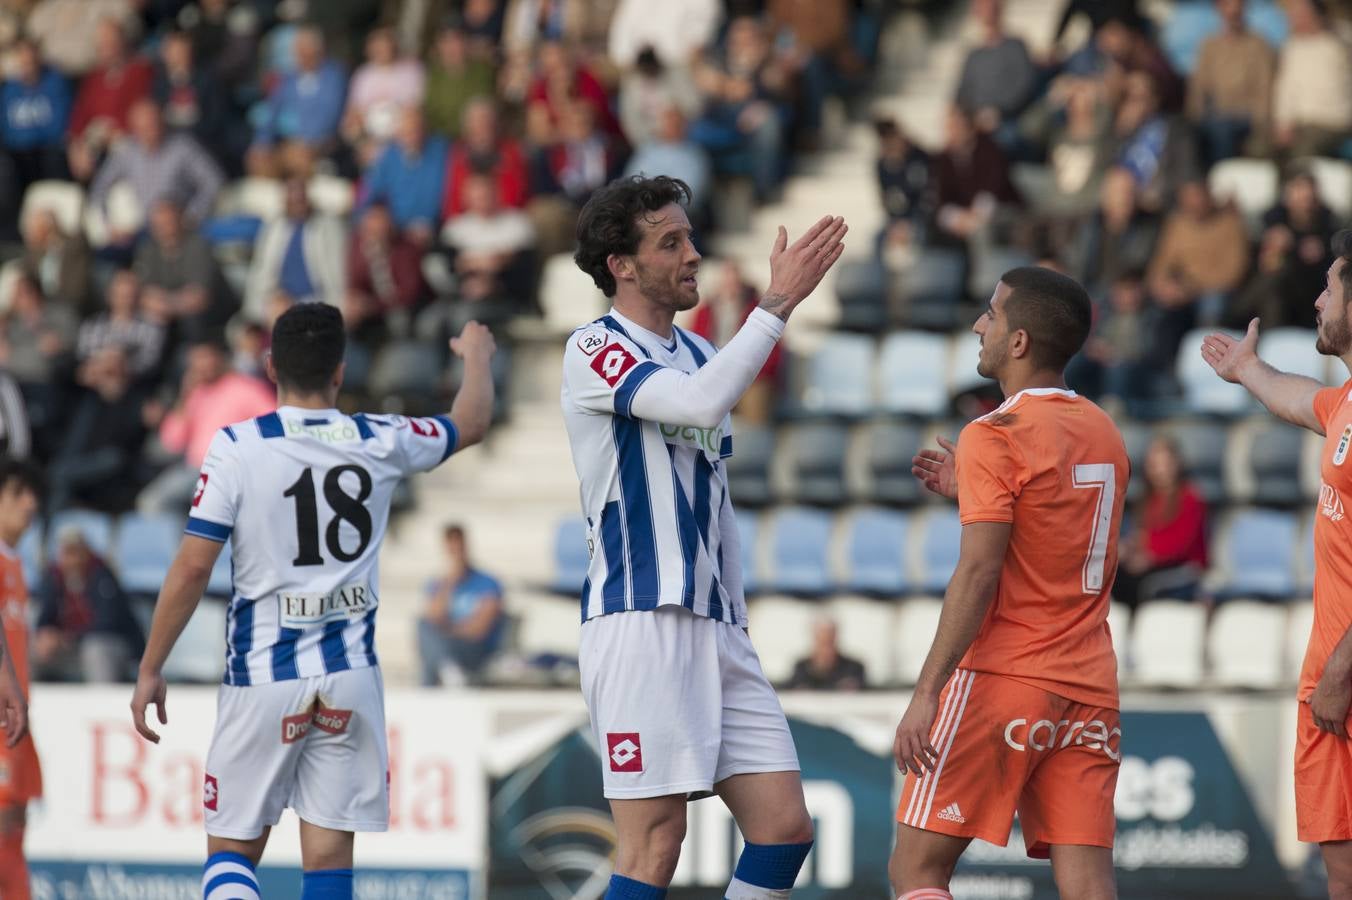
(303, 495)
(679, 705)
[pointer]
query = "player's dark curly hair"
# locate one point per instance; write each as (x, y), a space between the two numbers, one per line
(609, 222)
(1053, 308)
(308, 343)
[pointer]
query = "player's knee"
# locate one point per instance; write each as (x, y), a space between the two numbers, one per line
(799, 831)
(914, 866)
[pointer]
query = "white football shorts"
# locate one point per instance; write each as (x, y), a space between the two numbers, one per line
(316, 745)
(678, 703)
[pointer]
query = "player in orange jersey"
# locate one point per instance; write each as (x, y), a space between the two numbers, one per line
(20, 776)
(1016, 705)
(1323, 751)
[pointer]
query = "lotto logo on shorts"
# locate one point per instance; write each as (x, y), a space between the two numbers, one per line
(625, 753)
(612, 362)
(210, 793)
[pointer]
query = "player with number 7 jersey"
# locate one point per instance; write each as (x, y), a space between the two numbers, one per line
(303, 496)
(1016, 708)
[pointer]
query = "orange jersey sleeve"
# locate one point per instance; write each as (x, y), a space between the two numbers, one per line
(14, 613)
(1054, 466)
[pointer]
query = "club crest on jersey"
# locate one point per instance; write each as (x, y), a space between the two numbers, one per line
(612, 362)
(211, 792)
(625, 751)
(307, 609)
(591, 340)
(1340, 453)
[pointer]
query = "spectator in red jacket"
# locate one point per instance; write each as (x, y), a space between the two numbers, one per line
(105, 98)
(483, 148)
(1167, 554)
(562, 80)
(723, 310)
(383, 266)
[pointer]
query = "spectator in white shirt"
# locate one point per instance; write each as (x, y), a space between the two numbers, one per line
(1312, 99)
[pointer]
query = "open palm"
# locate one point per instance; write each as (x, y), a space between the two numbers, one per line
(1229, 356)
(935, 469)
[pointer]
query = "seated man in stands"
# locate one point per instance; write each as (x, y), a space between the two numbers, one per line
(86, 629)
(462, 621)
(826, 668)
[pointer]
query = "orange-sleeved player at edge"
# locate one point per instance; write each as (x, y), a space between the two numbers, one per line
(20, 776)
(1323, 750)
(1016, 706)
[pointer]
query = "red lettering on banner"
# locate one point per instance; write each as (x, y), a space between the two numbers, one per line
(612, 362)
(114, 771)
(182, 775)
(434, 806)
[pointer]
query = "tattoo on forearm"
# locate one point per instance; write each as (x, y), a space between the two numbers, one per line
(777, 304)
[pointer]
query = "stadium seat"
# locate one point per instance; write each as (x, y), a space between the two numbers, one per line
(840, 377)
(865, 630)
(1296, 636)
(861, 289)
(570, 557)
(568, 296)
(1244, 645)
(1188, 26)
(96, 527)
(890, 448)
(748, 469)
(781, 630)
(815, 463)
(932, 289)
(1251, 183)
(1292, 350)
(331, 195)
(1136, 436)
(875, 552)
(261, 198)
(989, 263)
(65, 200)
(911, 365)
(1333, 178)
(550, 626)
(748, 537)
(917, 622)
(199, 654)
(122, 211)
(799, 541)
(1202, 444)
(406, 367)
(144, 549)
(1166, 644)
(30, 554)
(934, 551)
(1119, 623)
(1267, 463)
(1255, 554)
(963, 356)
(1204, 391)
(222, 581)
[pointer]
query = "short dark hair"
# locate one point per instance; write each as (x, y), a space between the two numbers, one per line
(609, 222)
(26, 473)
(453, 530)
(308, 343)
(1342, 249)
(1053, 308)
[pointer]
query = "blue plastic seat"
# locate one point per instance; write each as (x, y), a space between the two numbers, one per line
(876, 552)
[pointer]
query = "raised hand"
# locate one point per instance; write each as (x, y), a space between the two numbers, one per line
(935, 469)
(474, 341)
(1229, 357)
(795, 271)
(13, 704)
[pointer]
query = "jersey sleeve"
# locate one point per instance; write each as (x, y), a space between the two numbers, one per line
(422, 444)
(602, 371)
(215, 502)
(991, 474)
(1326, 402)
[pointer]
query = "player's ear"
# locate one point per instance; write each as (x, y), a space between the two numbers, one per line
(269, 368)
(338, 375)
(620, 266)
(1020, 345)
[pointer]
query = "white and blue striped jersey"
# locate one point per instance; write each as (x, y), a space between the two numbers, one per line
(303, 496)
(660, 525)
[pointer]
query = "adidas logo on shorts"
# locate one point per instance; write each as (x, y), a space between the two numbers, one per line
(951, 813)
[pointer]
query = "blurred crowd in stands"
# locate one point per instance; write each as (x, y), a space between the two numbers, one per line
(1132, 161)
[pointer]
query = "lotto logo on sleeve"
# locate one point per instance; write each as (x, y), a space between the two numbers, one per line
(625, 753)
(201, 489)
(612, 362)
(423, 427)
(210, 792)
